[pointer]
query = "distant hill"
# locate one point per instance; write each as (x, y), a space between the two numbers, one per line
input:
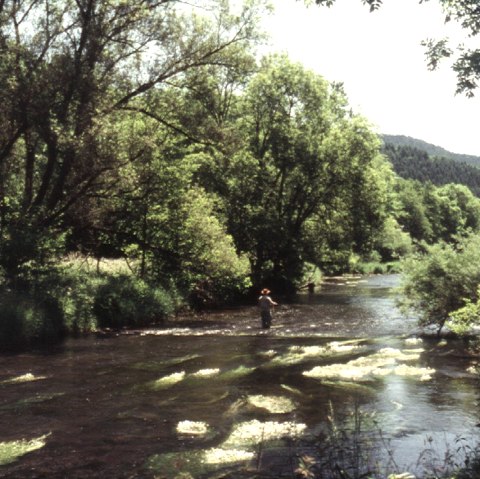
(432, 150)
(418, 160)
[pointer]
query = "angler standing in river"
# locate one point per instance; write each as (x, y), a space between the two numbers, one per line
(266, 304)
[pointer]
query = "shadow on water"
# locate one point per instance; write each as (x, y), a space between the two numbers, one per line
(219, 393)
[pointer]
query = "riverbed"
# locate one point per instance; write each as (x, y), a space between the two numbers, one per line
(342, 372)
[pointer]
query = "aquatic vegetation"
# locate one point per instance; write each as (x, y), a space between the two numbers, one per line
(379, 364)
(291, 389)
(10, 451)
(348, 371)
(342, 347)
(413, 341)
(206, 373)
(38, 398)
(405, 355)
(473, 368)
(255, 432)
(174, 378)
(25, 378)
(194, 463)
(273, 404)
(237, 372)
(169, 380)
(299, 354)
(351, 386)
(412, 351)
(156, 365)
(194, 428)
(425, 374)
(268, 354)
(227, 456)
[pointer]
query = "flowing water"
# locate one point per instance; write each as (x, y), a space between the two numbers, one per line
(217, 396)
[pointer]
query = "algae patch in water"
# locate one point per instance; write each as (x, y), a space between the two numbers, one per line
(379, 364)
(167, 381)
(291, 389)
(206, 373)
(195, 463)
(255, 432)
(299, 354)
(156, 365)
(238, 450)
(424, 374)
(25, 378)
(174, 378)
(10, 451)
(193, 428)
(273, 404)
(236, 373)
(26, 402)
(413, 341)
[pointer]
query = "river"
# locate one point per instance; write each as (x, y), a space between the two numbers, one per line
(341, 376)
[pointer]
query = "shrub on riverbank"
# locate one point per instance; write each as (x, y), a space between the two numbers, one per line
(43, 305)
(443, 280)
(126, 301)
(375, 267)
(26, 320)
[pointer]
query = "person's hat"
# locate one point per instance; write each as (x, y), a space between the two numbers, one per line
(265, 291)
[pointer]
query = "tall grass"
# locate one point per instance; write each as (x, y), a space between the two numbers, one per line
(354, 447)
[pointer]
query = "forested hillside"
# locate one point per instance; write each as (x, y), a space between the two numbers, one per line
(415, 163)
(432, 150)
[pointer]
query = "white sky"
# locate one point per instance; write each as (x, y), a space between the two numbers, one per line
(379, 59)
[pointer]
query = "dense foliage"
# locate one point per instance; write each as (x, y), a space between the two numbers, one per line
(445, 281)
(149, 134)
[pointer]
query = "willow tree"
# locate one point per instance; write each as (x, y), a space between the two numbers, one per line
(69, 70)
(305, 155)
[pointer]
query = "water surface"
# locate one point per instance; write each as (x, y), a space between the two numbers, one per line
(219, 397)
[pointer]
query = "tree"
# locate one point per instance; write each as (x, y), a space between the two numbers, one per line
(304, 156)
(442, 281)
(163, 223)
(70, 72)
(411, 212)
(467, 60)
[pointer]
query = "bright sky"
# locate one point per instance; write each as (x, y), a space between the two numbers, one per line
(379, 59)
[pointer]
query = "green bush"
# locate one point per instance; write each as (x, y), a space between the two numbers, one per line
(126, 301)
(464, 320)
(75, 291)
(27, 320)
(443, 280)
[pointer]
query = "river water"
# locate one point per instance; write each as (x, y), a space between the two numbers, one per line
(342, 377)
